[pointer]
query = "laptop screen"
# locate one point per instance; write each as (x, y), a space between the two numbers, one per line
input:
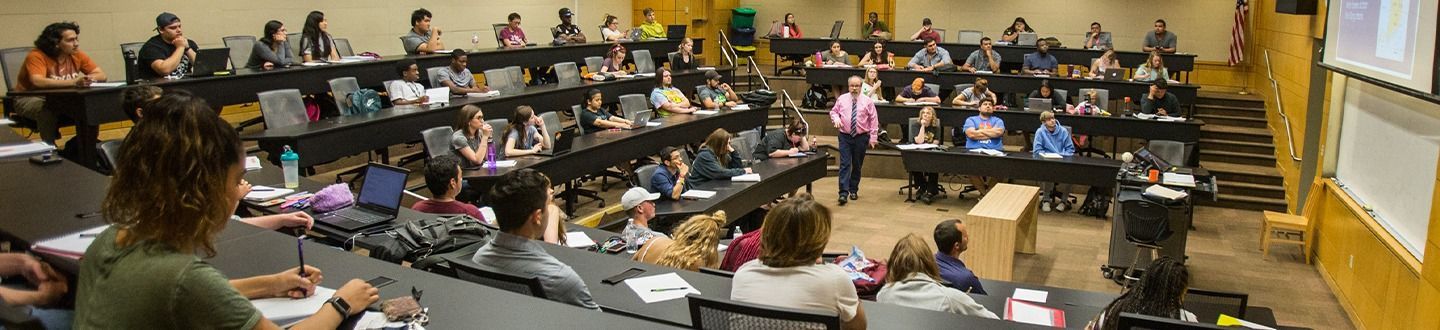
(835, 30)
(383, 187)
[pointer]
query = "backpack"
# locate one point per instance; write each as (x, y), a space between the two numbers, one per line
(816, 98)
(759, 97)
(1097, 202)
(363, 101)
(423, 241)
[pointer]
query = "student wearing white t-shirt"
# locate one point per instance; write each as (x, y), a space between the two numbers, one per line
(793, 236)
(406, 90)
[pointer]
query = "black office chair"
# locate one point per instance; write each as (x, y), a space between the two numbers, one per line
(1146, 224)
(109, 152)
(723, 314)
(1132, 321)
(468, 271)
(11, 59)
(912, 185)
(643, 174)
(1231, 303)
(717, 272)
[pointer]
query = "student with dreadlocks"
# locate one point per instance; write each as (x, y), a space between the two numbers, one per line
(1159, 293)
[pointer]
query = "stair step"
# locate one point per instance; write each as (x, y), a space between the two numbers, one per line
(1266, 175)
(1232, 121)
(1237, 157)
(1251, 189)
(1246, 203)
(1230, 99)
(1226, 110)
(1235, 133)
(1264, 148)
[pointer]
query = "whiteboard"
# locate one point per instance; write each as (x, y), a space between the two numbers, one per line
(1389, 145)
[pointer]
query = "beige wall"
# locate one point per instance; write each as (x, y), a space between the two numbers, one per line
(1203, 26)
(814, 17)
(372, 26)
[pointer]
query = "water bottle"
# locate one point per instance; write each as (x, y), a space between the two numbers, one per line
(490, 158)
(737, 233)
(290, 161)
(632, 237)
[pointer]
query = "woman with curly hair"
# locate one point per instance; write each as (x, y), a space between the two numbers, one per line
(694, 244)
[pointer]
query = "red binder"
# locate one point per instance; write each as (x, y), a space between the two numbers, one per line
(1027, 312)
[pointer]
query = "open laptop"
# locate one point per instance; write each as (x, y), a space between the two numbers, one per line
(835, 30)
(1115, 74)
(378, 203)
(1144, 155)
(562, 144)
(675, 32)
(210, 61)
(641, 118)
(634, 34)
(1027, 39)
(1038, 104)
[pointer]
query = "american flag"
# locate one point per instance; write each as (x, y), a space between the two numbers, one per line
(1237, 33)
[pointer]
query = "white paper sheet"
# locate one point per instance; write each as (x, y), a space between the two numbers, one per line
(503, 163)
(265, 193)
(706, 112)
(740, 107)
(1051, 155)
(24, 149)
(752, 177)
(438, 95)
(71, 245)
(1027, 313)
(917, 146)
(698, 194)
(107, 84)
(485, 94)
(313, 63)
(643, 75)
(286, 311)
(1178, 179)
(991, 152)
(1166, 193)
(657, 288)
(651, 124)
(577, 239)
(1031, 295)
(921, 103)
(252, 163)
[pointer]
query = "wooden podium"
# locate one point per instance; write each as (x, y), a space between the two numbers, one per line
(1001, 224)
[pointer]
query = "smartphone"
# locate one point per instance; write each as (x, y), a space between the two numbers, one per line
(632, 272)
(380, 282)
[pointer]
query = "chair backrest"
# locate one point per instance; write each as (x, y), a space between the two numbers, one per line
(567, 73)
(109, 152)
(934, 88)
(744, 144)
(11, 59)
(552, 123)
(282, 108)
(467, 271)
(643, 62)
(717, 272)
(914, 124)
(575, 112)
(434, 75)
(497, 128)
(342, 45)
(672, 57)
(498, 79)
(436, 140)
(1064, 94)
(1146, 222)
(132, 70)
(1232, 303)
(517, 76)
(500, 43)
(941, 32)
(715, 313)
(643, 175)
(1172, 152)
(341, 89)
(294, 40)
(970, 37)
(593, 63)
(240, 49)
(631, 104)
(1102, 96)
(1132, 321)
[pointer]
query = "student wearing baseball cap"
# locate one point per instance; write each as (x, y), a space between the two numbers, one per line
(169, 54)
(567, 31)
(640, 205)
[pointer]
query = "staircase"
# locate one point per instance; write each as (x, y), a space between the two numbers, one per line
(1236, 146)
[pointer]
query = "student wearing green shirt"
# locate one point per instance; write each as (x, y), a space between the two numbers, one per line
(651, 30)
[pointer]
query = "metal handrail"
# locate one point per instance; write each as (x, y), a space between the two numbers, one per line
(756, 69)
(1280, 107)
(725, 45)
(791, 105)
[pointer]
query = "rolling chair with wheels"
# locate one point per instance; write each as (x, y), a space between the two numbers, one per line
(910, 188)
(109, 154)
(11, 59)
(593, 63)
(716, 313)
(240, 48)
(1146, 224)
(468, 271)
(971, 37)
(643, 62)
(342, 45)
(572, 188)
(632, 104)
(433, 75)
(498, 79)
(643, 174)
(294, 40)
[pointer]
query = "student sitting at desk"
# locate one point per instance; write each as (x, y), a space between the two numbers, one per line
(651, 29)
(786, 30)
(594, 118)
(913, 280)
(1095, 39)
(972, 96)
(50, 286)
(55, 62)
(875, 29)
(932, 58)
(669, 177)
(423, 38)
(665, 98)
(1045, 92)
(695, 244)
(1159, 102)
(1160, 293)
(1040, 62)
(685, 56)
(784, 142)
(272, 50)
(134, 98)
(786, 274)
(871, 85)
(472, 136)
(457, 76)
(983, 59)
(568, 32)
(523, 208)
(1106, 62)
(168, 54)
(1153, 69)
(926, 33)
(442, 178)
(526, 134)
(918, 92)
(836, 56)
(611, 32)
(407, 91)
(928, 184)
(639, 204)
(1055, 139)
(1012, 32)
(716, 94)
(984, 131)
(1161, 40)
(132, 272)
(717, 160)
(878, 57)
(315, 41)
(512, 34)
(952, 239)
(614, 63)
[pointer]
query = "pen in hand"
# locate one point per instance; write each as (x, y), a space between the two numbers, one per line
(669, 289)
(300, 249)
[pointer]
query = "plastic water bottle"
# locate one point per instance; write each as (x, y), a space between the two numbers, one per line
(490, 158)
(632, 237)
(290, 161)
(737, 233)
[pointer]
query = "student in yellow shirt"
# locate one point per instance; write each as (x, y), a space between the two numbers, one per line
(651, 30)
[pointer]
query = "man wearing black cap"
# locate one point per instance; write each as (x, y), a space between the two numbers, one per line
(1158, 102)
(567, 32)
(715, 93)
(168, 54)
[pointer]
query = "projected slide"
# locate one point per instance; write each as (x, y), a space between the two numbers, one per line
(1378, 35)
(1393, 24)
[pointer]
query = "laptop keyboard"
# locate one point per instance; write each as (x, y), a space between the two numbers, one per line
(360, 216)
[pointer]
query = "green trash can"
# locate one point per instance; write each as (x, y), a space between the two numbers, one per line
(742, 17)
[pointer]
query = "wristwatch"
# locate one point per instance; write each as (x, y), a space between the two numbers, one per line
(340, 306)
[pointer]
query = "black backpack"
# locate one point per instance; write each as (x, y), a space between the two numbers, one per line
(759, 97)
(421, 241)
(816, 98)
(1097, 203)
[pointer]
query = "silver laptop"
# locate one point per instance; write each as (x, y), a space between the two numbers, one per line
(378, 203)
(1038, 104)
(635, 34)
(641, 118)
(1115, 74)
(1027, 39)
